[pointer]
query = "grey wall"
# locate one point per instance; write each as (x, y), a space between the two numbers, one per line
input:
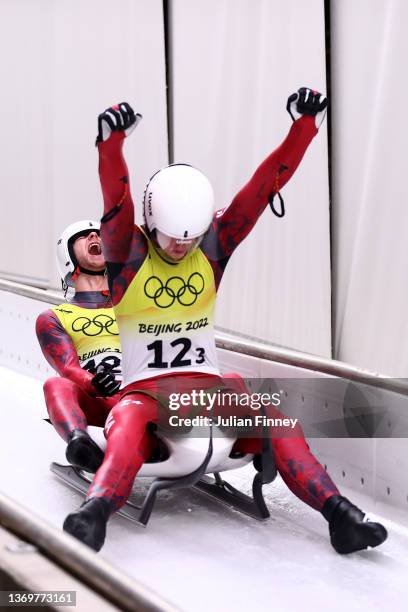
(233, 63)
(370, 191)
(62, 63)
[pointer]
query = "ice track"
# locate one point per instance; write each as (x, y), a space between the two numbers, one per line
(200, 555)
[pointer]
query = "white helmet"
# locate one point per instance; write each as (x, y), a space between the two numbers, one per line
(179, 203)
(66, 260)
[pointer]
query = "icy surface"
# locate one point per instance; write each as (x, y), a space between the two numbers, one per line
(199, 554)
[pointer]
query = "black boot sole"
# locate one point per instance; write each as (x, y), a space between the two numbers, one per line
(84, 529)
(84, 454)
(364, 535)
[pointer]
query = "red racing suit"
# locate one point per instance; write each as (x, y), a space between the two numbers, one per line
(126, 248)
(72, 401)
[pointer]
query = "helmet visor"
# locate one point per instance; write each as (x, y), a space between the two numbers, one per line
(177, 248)
(85, 232)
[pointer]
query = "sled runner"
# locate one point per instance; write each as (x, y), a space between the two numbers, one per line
(186, 461)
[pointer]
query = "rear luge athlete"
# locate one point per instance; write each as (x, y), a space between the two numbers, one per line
(163, 278)
(80, 340)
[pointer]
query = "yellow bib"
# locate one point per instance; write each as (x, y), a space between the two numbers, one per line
(94, 333)
(166, 316)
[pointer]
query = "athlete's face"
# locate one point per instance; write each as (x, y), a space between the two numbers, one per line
(175, 249)
(88, 251)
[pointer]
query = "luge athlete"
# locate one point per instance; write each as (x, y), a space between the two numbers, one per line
(163, 279)
(80, 340)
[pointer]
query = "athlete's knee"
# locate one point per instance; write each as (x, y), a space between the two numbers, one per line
(232, 375)
(131, 416)
(50, 383)
(287, 450)
(235, 382)
(133, 408)
(284, 427)
(53, 386)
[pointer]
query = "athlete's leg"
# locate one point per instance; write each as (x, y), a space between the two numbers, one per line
(71, 410)
(62, 401)
(309, 481)
(69, 407)
(299, 468)
(306, 477)
(129, 445)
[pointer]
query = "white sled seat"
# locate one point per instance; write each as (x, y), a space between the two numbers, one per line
(186, 454)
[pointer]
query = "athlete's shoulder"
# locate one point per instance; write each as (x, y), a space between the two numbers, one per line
(47, 315)
(65, 308)
(47, 322)
(139, 247)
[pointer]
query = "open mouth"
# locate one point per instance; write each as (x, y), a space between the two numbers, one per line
(94, 248)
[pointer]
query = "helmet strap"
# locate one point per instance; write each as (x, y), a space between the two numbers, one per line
(153, 237)
(91, 272)
(79, 269)
(76, 273)
(64, 288)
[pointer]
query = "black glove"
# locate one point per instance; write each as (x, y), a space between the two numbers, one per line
(104, 381)
(118, 118)
(307, 102)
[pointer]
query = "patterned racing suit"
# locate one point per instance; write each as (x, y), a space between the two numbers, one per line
(155, 345)
(76, 338)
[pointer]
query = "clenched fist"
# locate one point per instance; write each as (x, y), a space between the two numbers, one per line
(118, 118)
(307, 102)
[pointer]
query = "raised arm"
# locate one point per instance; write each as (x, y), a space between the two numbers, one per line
(59, 351)
(123, 244)
(114, 125)
(231, 226)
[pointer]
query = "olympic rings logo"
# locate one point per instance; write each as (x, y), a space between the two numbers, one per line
(96, 326)
(175, 288)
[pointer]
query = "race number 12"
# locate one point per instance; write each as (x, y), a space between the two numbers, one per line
(179, 360)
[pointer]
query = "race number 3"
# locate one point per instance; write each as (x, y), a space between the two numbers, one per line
(178, 361)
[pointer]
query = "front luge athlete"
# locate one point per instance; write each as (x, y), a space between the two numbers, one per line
(163, 279)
